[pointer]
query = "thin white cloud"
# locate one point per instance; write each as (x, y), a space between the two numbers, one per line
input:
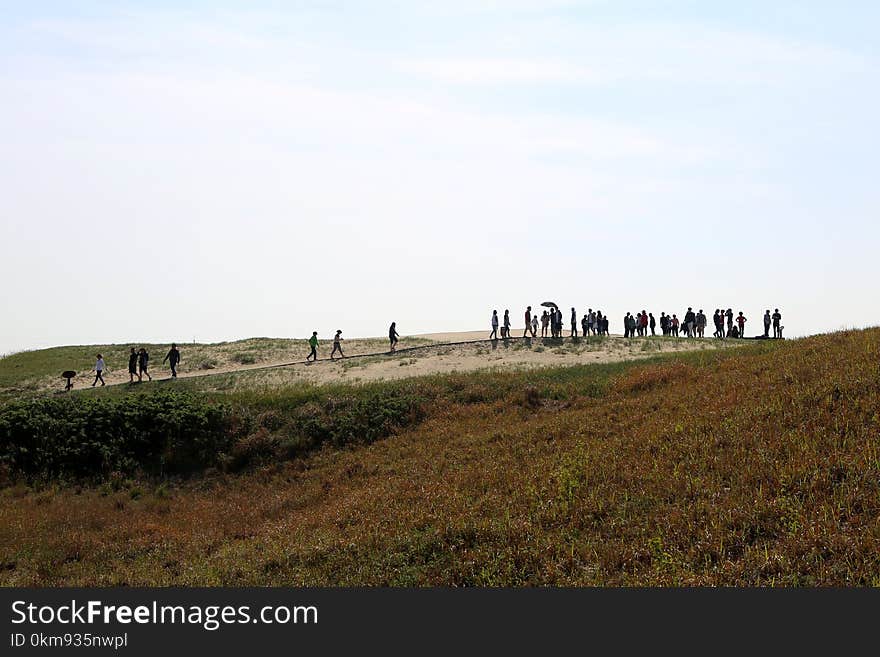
(459, 70)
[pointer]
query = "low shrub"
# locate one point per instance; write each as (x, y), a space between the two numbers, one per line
(243, 358)
(77, 436)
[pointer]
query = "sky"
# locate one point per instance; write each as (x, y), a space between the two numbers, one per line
(208, 171)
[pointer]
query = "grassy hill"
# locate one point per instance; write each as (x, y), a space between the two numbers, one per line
(31, 372)
(754, 466)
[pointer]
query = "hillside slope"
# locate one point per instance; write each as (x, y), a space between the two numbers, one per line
(758, 466)
(276, 362)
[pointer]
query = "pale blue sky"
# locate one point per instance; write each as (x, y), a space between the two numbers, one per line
(214, 171)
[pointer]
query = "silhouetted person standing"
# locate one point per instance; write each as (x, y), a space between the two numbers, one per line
(767, 321)
(652, 323)
(574, 323)
(505, 328)
(494, 334)
(741, 322)
(528, 328)
(173, 358)
(777, 329)
(689, 322)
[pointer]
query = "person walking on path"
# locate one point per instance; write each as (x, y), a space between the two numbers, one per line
(777, 329)
(393, 336)
(337, 344)
(173, 358)
(652, 323)
(505, 328)
(144, 365)
(313, 346)
(494, 334)
(529, 327)
(574, 323)
(767, 321)
(741, 322)
(132, 365)
(99, 368)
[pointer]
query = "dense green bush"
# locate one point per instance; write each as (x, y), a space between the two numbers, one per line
(78, 436)
(178, 432)
(300, 426)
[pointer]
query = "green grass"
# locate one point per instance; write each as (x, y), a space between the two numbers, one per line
(30, 372)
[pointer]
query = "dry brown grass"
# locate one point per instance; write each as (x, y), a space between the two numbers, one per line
(754, 468)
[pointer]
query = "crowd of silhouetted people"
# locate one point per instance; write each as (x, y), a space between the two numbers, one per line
(642, 324)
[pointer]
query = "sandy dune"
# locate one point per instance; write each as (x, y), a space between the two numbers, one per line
(280, 362)
(441, 357)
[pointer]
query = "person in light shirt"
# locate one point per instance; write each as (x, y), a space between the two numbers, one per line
(99, 368)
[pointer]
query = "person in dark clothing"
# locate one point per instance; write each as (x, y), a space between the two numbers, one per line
(741, 323)
(716, 319)
(585, 325)
(494, 334)
(729, 316)
(777, 329)
(393, 335)
(767, 320)
(132, 365)
(337, 344)
(652, 323)
(144, 365)
(173, 358)
(664, 323)
(626, 325)
(689, 321)
(505, 327)
(528, 328)
(574, 323)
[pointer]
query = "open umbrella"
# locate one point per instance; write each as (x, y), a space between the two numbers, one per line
(550, 304)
